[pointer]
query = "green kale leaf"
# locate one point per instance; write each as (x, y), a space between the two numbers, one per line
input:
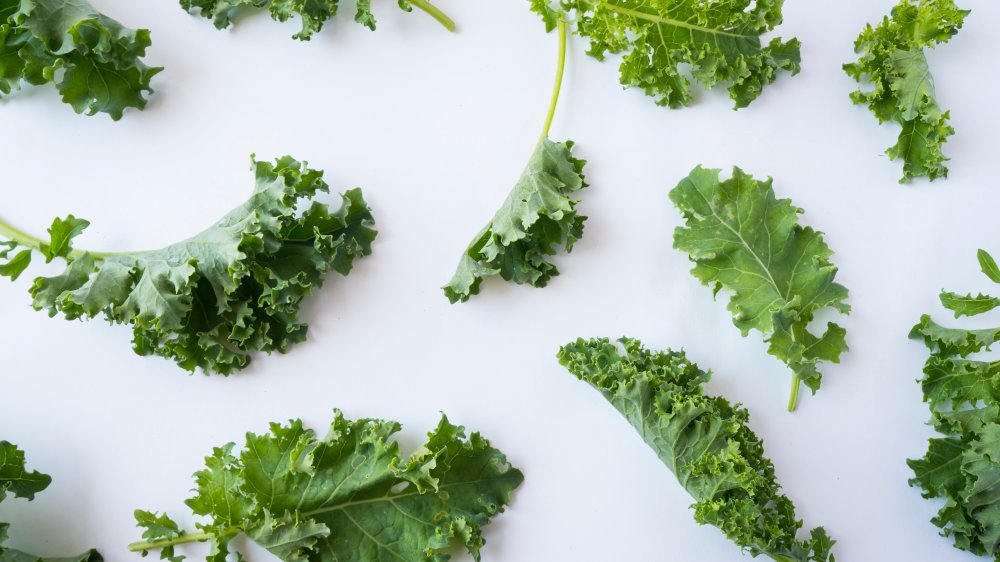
(93, 60)
(705, 441)
(892, 58)
(537, 219)
(963, 465)
(210, 301)
(719, 39)
(312, 13)
(349, 496)
(16, 480)
(742, 239)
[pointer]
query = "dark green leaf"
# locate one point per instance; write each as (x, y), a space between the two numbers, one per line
(350, 496)
(705, 441)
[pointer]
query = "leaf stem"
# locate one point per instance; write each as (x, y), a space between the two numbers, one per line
(183, 539)
(435, 13)
(794, 400)
(14, 234)
(560, 70)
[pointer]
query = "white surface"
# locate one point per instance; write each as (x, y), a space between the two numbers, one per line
(436, 128)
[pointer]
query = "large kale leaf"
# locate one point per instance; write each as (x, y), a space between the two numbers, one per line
(17, 481)
(92, 59)
(537, 219)
(745, 240)
(720, 40)
(704, 441)
(963, 465)
(210, 301)
(348, 496)
(892, 58)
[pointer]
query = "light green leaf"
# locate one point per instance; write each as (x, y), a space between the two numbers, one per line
(989, 266)
(720, 41)
(537, 219)
(892, 58)
(968, 305)
(745, 240)
(61, 233)
(705, 442)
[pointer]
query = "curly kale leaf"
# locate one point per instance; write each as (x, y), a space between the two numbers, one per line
(705, 441)
(719, 39)
(212, 300)
(963, 465)
(17, 481)
(537, 219)
(313, 13)
(892, 58)
(349, 496)
(744, 240)
(92, 59)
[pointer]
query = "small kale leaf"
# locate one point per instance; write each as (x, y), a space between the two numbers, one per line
(537, 219)
(745, 240)
(349, 496)
(892, 58)
(705, 441)
(313, 13)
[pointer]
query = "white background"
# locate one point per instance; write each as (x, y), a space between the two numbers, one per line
(436, 127)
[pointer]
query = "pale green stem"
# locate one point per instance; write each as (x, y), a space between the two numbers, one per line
(183, 539)
(23, 238)
(560, 70)
(28, 241)
(435, 13)
(794, 400)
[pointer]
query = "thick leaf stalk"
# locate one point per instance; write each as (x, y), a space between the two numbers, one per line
(213, 300)
(892, 59)
(313, 14)
(719, 41)
(348, 496)
(705, 441)
(17, 481)
(746, 241)
(94, 61)
(538, 218)
(962, 466)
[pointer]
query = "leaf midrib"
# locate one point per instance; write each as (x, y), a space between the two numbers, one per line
(668, 21)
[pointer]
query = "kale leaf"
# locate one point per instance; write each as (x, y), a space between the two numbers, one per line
(93, 60)
(312, 13)
(892, 58)
(745, 240)
(704, 440)
(16, 480)
(349, 496)
(210, 301)
(963, 465)
(719, 39)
